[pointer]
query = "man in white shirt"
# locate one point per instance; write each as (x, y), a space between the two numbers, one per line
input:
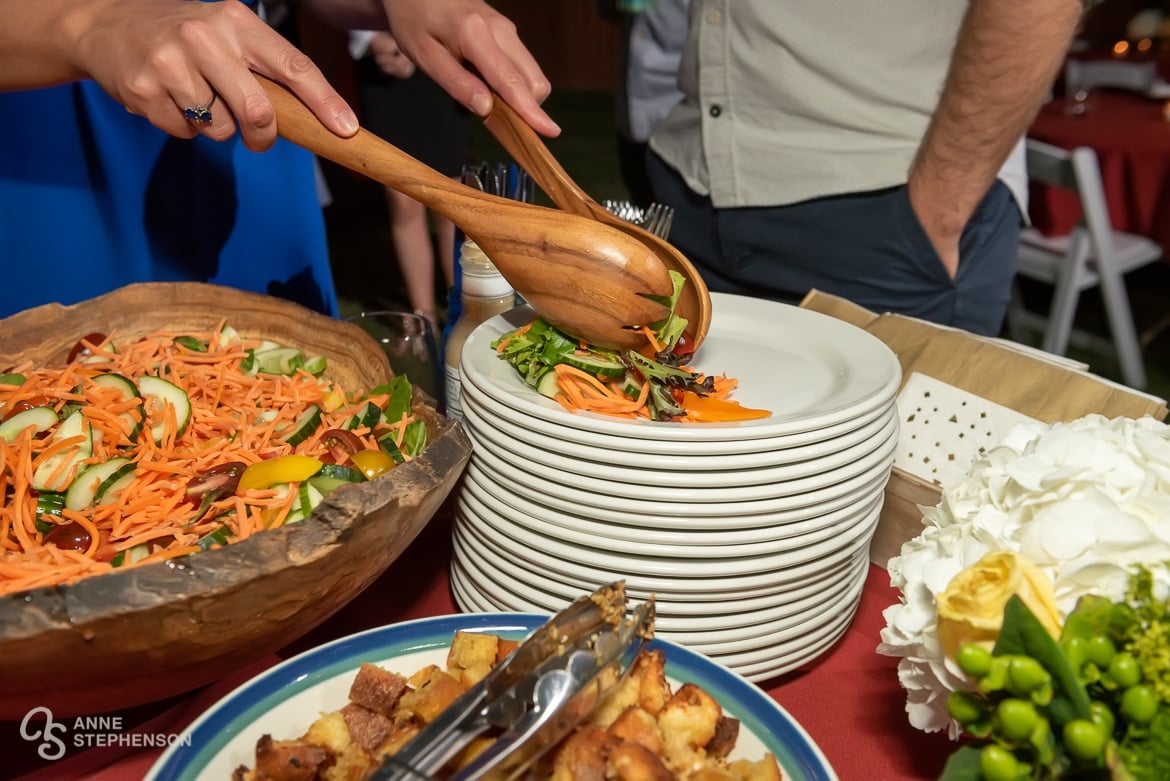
(861, 148)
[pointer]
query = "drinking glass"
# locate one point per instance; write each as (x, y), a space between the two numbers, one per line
(411, 346)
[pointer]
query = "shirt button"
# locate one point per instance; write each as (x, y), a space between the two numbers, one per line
(715, 110)
(714, 16)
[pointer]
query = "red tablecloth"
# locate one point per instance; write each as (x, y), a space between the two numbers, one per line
(849, 701)
(1132, 141)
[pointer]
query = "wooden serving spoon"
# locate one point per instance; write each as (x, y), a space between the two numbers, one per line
(529, 150)
(586, 278)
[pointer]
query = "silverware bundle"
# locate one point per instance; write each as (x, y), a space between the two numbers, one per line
(507, 180)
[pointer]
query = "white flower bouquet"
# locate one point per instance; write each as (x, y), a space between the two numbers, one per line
(1076, 508)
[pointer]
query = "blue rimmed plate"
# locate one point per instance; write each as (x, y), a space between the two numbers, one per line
(284, 700)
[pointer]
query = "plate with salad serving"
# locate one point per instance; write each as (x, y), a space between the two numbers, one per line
(662, 455)
(286, 699)
(803, 370)
(593, 462)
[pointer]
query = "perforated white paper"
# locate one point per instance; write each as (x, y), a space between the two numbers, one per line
(943, 429)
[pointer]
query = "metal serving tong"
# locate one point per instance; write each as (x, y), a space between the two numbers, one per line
(536, 695)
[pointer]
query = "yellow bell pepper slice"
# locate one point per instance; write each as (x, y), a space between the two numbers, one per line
(282, 469)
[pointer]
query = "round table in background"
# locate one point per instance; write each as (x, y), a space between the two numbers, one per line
(1131, 137)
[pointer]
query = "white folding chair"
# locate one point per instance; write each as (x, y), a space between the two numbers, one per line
(1087, 74)
(1092, 255)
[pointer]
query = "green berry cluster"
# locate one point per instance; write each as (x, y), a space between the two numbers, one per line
(1067, 715)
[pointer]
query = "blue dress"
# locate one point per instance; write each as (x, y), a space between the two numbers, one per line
(93, 198)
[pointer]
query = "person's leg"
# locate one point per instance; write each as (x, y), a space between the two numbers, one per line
(411, 237)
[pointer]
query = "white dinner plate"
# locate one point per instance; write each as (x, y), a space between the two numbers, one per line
(284, 700)
(588, 462)
(586, 576)
(680, 454)
(471, 553)
(687, 517)
(763, 671)
(469, 510)
(553, 481)
(811, 370)
(771, 655)
(714, 632)
(579, 530)
(540, 590)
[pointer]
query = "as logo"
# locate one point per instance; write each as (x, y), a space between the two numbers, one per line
(51, 746)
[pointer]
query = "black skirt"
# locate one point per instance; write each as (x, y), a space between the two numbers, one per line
(416, 115)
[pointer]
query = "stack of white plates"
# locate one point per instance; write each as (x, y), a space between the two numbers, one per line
(753, 537)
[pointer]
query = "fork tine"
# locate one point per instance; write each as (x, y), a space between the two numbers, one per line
(667, 220)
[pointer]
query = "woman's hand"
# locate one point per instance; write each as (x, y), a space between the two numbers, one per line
(159, 57)
(441, 35)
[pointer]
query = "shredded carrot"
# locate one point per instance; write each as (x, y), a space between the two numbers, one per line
(582, 391)
(235, 417)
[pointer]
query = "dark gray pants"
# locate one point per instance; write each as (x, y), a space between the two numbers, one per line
(868, 248)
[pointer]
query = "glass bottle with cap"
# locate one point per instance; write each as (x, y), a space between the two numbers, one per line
(484, 293)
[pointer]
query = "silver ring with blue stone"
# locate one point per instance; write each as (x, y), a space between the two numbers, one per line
(200, 115)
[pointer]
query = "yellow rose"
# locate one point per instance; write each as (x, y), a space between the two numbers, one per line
(970, 610)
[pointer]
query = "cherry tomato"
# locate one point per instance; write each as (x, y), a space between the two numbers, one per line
(69, 536)
(30, 403)
(372, 462)
(83, 346)
(685, 346)
(221, 478)
(341, 445)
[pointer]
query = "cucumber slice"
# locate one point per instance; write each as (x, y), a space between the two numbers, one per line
(391, 447)
(280, 360)
(12, 379)
(596, 363)
(547, 384)
(327, 485)
(131, 555)
(307, 500)
(315, 365)
(129, 391)
(305, 425)
(57, 471)
(159, 392)
(217, 538)
(84, 488)
(191, 343)
(113, 485)
(49, 503)
(39, 418)
(340, 472)
(228, 335)
(368, 417)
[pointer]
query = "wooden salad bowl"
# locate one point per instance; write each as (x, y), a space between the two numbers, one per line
(143, 634)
